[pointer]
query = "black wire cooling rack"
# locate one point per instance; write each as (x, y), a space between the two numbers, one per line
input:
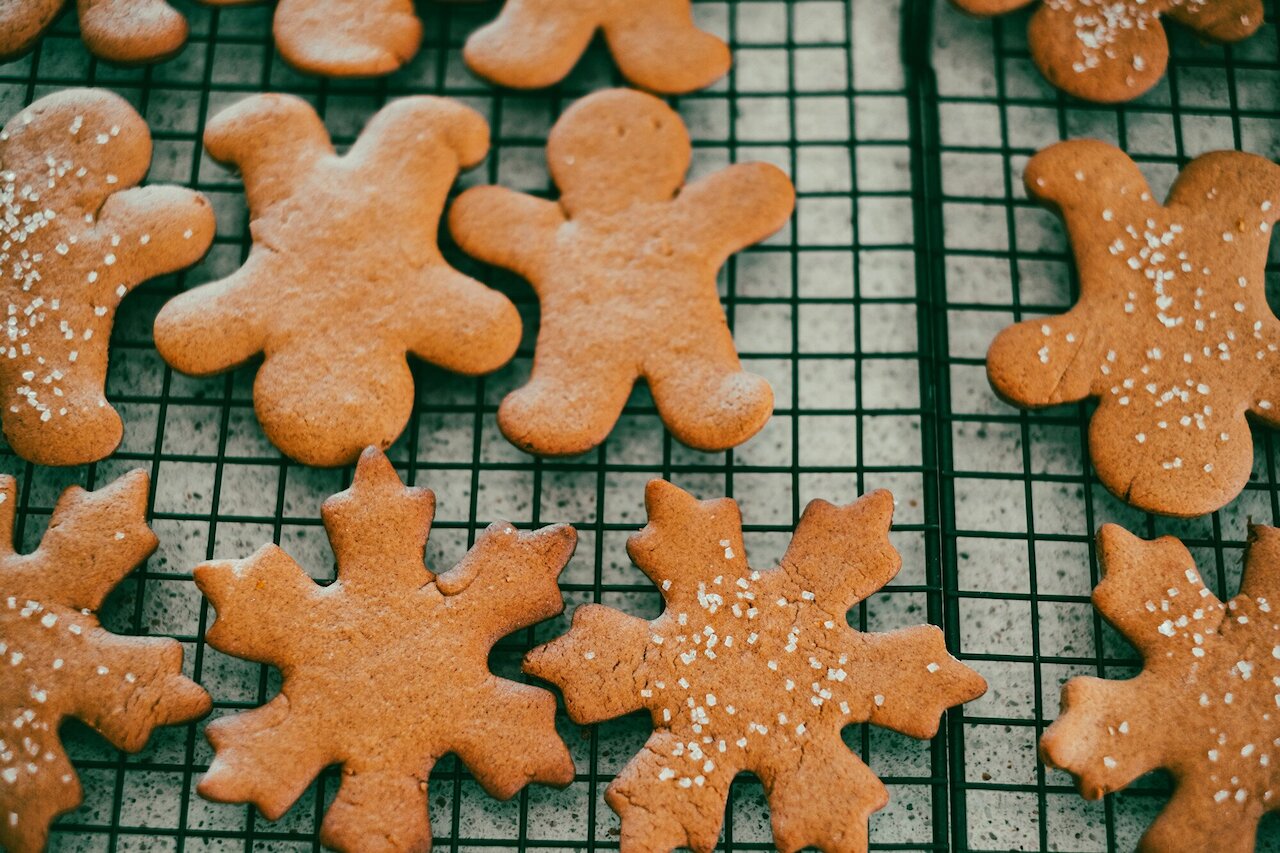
(905, 126)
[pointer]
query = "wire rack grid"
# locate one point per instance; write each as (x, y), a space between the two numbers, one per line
(904, 127)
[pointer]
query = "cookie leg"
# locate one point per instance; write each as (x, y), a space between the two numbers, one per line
(532, 44)
(323, 408)
(130, 31)
(658, 47)
(75, 429)
(513, 742)
(347, 38)
(379, 812)
(660, 813)
(825, 800)
(705, 397)
(569, 405)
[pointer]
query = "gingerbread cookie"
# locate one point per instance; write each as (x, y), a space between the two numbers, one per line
(386, 669)
(625, 268)
(536, 43)
(57, 661)
(1114, 50)
(1172, 332)
(124, 31)
(751, 670)
(1205, 705)
(344, 38)
(344, 277)
(75, 237)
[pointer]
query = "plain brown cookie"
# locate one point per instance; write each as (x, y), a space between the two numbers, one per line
(1206, 706)
(76, 235)
(344, 277)
(1172, 332)
(1109, 51)
(344, 38)
(124, 31)
(536, 43)
(750, 670)
(386, 669)
(57, 661)
(625, 268)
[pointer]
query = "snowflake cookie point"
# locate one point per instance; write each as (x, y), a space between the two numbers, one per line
(376, 664)
(1168, 334)
(1204, 704)
(746, 669)
(59, 660)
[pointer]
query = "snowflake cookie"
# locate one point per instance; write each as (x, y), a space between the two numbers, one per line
(345, 278)
(1114, 50)
(752, 670)
(656, 44)
(1206, 706)
(124, 31)
(76, 235)
(1172, 332)
(57, 661)
(386, 669)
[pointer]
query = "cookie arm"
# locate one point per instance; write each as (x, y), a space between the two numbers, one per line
(1196, 821)
(459, 324)
(736, 207)
(531, 44)
(658, 47)
(274, 140)
(506, 229)
(597, 665)
(513, 741)
(216, 326)
(161, 229)
(347, 38)
(1046, 361)
(130, 31)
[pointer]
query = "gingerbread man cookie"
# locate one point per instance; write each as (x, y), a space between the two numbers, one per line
(625, 268)
(344, 38)
(57, 661)
(1114, 50)
(76, 235)
(344, 277)
(536, 43)
(124, 31)
(1205, 706)
(1172, 332)
(752, 670)
(386, 669)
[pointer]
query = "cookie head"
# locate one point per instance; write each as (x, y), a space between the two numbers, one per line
(616, 148)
